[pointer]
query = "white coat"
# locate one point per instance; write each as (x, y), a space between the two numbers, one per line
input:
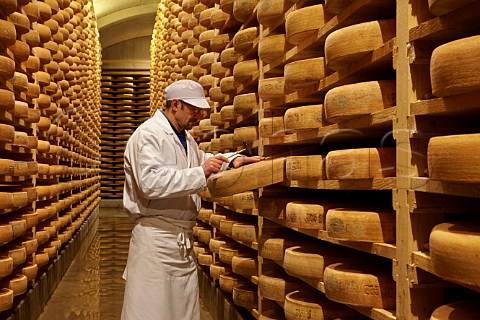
(161, 187)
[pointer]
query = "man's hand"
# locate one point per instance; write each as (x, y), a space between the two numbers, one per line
(213, 165)
(240, 161)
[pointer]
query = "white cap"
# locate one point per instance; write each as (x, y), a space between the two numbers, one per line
(189, 91)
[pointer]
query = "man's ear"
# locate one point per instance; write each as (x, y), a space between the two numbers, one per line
(175, 104)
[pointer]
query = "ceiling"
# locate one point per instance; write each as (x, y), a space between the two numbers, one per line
(135, 17)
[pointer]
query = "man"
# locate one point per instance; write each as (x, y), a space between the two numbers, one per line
(164, 171)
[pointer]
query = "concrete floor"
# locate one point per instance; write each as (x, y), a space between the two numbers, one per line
(93, 286)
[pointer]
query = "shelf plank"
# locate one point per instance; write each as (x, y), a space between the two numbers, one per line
(357, 184)
(422, 260)
(458, 104)
(382, 120)
(444, 187)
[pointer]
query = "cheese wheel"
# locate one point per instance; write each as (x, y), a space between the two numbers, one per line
(276, 285)
(216, 218)
(272, 47)
(216, 243)
(205, 126)
(199, 72)
(216, 119)
(218, 19)
(306, 117)
(205, 259)
(306, 304)
(245, 265)
(245, 232)
(204, 215)
(271, 127)
(365, 163)
(345, 46)
(7, 99)
(273, 246)
(303, 73)
(454, 252)
(228, 251)
(251, 177)
(453, 67)
(18, 284)
(305, 22)
(245, 103)
(6, 266)
(442, 7)
(218, 268)
(229, 57)
(243, 9)
(270, 12)
(272, 88)
(337, 6)
(361, 225)
(360, 285)
(217, 70)
(205, 17)
(7, 33)
(229, 85)
(205, 61)
(274, 207)
(206, 81)
(215, 145)
(306, 215)
(227, 113)
(204, 235)
(460, 310)
(245, 295)
(7, 67)
(246, 200)
(306, 168)
(226, 201)
(359, 99)
(308, 262)
(220, 42)
(454, 158)
(226, 141)
(6, 299)
(205, 38)
(244, 39)
(245, 71)
(216, 94)
(247, 134)
(188, 5)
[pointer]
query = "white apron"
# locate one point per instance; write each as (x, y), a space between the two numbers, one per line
(161, 260)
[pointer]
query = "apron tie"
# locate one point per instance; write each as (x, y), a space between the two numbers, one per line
(184, 241)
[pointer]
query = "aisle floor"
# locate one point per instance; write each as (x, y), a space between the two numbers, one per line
(92, 288)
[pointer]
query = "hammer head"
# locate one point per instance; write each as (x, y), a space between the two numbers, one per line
(248, 151)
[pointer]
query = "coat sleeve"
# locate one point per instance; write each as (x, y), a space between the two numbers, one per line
(157, 173)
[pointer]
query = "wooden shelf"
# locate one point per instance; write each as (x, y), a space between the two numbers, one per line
(378, 58)
(375, 123)
(468, 104)
(359, 184)
(444, 187)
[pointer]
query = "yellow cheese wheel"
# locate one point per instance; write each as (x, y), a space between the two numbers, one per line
(205, 259)
(251, 177)
(215, 145)
(245, 232)
(442, 7)
(247, 134)
(216, 94)
(245, 295)
(454, 251)
(361, 225)
(7, 99)
(243, 9)
(226, 142)
(246, 200)
(6, 266)
(272, 47)
(337, 6)
(204, 215)
(306, 304)
(205, 17)
(305, 22)
(270, 12)
(217, 70)
(206, 81)
(216, 243)
(246, 265)
(205, 38)
(460, 310)
(6, 299)
(227, 113)
(205, 61)
(219, 42)
(365, 163)
(271, 127)
(454, 158)
(273, 246)
(216, 119)
(305, 117)
(276, 285)
(204, 235)
(306, 168)
(188, 5)
(453, 67)
(229, 85)
(244, 39)
(308, 262)
(345, 46)
(303, 73)
(228, 251)
(244, 71)
(272, 88)
(245, 103)
(362, 285)
(229, 57)
(306, 215)
(359, 99)
(219, 268)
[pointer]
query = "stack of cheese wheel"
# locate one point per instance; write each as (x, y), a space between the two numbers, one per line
(451, 76)
(454, 251)
(345, 46)
(443, 7)
(370, 285)
(276, 285)
(359, 99)
(365, 163)
(361, 225)
(315, 306)
(454, 158)
(308, 262)
(467, 309)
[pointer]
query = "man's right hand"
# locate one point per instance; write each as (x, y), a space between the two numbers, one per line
(213, 165)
